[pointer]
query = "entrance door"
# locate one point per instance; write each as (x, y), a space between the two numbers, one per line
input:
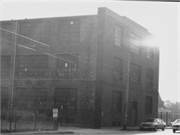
(134, 113)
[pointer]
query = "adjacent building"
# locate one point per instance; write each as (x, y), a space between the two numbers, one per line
(80, 65)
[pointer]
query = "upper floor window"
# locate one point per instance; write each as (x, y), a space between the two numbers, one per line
(67, 65)
(32, 65)
(5, 65)
(5, 34)
(69, 31)
(136, 49)
(118, 36)
(148, 105)
(34, 30)
(135, 73)
(118, 69)
(135, 44)
(116, 102)
(150, 54)
(66, 99)
(4, 97)
(149, 78)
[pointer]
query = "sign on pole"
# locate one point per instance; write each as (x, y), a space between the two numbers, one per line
(55, 113)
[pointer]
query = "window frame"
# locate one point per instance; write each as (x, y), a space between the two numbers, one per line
(150, 53)
(116, 101)
(32, 65)
(30, 98)
(135, 44)
(118, 35)
(5, 65)
(64, 67)
(135, 73)
(148, 105)
(69, 31)
(149, 78)
(66, 98)
(117, 68)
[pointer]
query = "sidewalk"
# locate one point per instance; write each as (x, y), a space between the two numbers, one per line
(78, 130)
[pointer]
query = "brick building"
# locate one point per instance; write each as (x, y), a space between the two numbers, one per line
(79, 65)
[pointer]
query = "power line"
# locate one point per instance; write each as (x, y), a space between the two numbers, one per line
(24, 37)
(73, 62)
(61, 50)
(36, 50)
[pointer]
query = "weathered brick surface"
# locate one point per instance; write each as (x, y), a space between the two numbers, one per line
(95, 83)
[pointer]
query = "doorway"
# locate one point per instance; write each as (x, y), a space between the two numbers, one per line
(134, 105)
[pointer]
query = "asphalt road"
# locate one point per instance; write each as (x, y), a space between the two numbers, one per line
(104, 132)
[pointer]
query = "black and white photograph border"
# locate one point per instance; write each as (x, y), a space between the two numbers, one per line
(89, 67)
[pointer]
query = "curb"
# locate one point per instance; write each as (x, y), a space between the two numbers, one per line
(40, 132)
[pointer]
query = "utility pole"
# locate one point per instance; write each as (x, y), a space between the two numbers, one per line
(127, 92)
(13, 77)
(127, 84)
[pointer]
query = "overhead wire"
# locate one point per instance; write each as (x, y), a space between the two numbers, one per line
(46, 53)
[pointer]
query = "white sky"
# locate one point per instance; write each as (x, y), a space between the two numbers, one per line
(160, 18)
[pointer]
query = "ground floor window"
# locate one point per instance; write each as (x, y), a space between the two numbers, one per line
(148, 105)
(116, 102)
(30, 98)
(66, 98)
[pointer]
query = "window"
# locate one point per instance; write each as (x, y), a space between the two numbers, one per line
(35, 30)
(44, 35)
(29, 98)
(30, 30)
(116, 102)
(66, 99)
(67, 65)
(5, 65)
(135, 73)
(118, 36)
(69, 30)
(149, 78)
(118, 69)
(150, 54)
(148, 105)
(135, 49)
(5, 34)
(135, 44)
(4, 97)
(32, 65)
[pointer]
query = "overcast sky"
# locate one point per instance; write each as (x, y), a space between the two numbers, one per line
(160, 18)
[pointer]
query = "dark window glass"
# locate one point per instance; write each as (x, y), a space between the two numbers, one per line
(149, 78)
(28, 30)
(29, 98)
(67, 65)
(35, 30)
(148, 105)
(69, 31)
(150, 54)
(118, 69)
(32, 65)
(135, 44)
(5, 65)
(6, 35)
(116, 102)
(66, 99)
(118, 36)
(4, 97)
(135, 73)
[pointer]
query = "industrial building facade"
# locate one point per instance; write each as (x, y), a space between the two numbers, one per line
(79, 65)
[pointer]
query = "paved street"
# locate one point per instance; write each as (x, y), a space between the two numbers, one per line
(82, 131)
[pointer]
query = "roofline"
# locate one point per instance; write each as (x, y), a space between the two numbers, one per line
(47, 18)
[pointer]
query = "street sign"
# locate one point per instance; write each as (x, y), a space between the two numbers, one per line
(55, 113)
